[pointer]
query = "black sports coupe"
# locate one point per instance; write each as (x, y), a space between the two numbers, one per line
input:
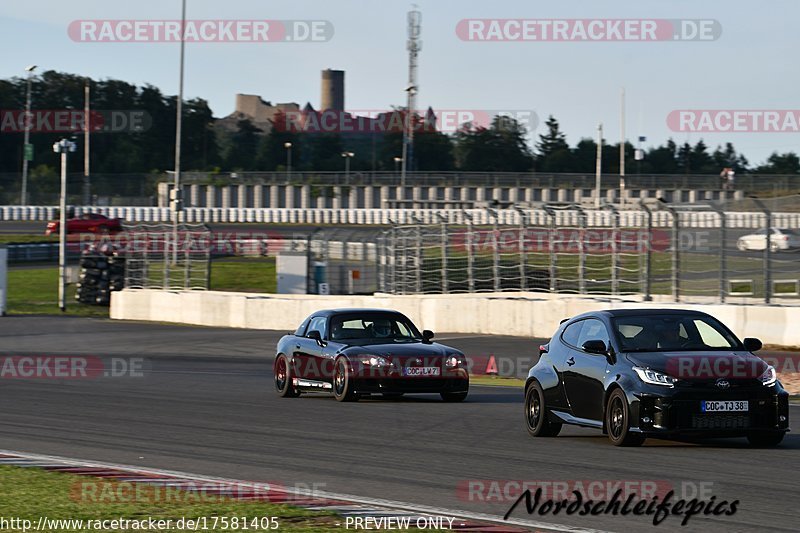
(654, 373)
(357, 352)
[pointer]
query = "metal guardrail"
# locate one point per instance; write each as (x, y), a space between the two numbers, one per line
(45, 252)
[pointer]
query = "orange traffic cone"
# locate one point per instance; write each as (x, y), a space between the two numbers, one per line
(491, 367)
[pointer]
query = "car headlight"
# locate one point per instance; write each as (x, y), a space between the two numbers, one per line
(374, 360)
(769, 377)
(455, 361)
(654, 378)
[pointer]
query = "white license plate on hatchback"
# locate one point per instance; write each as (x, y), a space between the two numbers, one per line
(726, 406)
(422, 371)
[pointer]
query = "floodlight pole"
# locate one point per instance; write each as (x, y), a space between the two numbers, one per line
(614, 248)
(598, 166)
(177, 205)
(86, 192)
(767, 250)
(622, 151)
(648, 256)
(27, 139)
(63, 147)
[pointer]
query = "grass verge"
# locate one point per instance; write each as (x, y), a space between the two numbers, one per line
(14, 238)
(496, 381)
(30, 493)
(34, 289)
(244, 274)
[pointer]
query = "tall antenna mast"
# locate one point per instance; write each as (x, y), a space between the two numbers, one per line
(414, 47)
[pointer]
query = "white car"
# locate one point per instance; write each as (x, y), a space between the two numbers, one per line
(781, 239)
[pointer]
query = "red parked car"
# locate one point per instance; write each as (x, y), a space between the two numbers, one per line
(87, 223)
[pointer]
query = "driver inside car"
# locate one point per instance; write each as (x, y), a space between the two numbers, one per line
(381, 328)
(669, 336)
(336, 330)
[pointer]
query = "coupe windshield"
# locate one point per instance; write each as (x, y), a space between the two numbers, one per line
(372, 327)
(671, 333)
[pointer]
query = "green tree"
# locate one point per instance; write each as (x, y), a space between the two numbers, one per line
(552, 151)
(787, 163)
(272, 151)
(326, 152)
(661, 160)
(244, 147)
(433, 151)
(500, 148)
(728, 158)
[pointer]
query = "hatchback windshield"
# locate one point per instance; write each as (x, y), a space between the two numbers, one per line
(660, 333)
(372, 327)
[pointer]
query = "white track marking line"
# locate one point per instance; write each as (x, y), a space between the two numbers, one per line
(402, 506)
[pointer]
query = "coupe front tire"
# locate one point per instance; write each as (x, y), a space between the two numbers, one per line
(536, 413)
(618, 421)
(343, 386)
(283, 378)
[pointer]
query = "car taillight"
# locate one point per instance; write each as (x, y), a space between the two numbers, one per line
(543, 349)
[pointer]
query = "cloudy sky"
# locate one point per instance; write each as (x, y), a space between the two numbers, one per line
(747, 67)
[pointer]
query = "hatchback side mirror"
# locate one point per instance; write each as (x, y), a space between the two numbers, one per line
(752, 345)
(596, 347)
(427, 336)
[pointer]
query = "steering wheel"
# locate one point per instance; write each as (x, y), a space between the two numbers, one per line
(693, 345)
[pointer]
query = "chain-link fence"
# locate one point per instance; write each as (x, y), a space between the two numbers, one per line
(159, 258)
(343, 261)
(714, 251)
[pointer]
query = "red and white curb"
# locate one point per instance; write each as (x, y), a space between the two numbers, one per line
(339, 504)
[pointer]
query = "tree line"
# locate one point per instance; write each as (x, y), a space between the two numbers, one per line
(502, 146)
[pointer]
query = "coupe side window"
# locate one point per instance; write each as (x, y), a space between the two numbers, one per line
(593, 330)
(572, 333)
(317, 324)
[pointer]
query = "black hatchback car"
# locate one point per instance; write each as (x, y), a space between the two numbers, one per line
(358, 352)
(654, 373)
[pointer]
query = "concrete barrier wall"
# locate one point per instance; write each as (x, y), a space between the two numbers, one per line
(538, 217)
(522, 314)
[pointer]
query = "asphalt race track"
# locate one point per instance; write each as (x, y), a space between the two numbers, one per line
(205, 404)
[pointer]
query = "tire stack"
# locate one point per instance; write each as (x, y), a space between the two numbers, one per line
(102, 271)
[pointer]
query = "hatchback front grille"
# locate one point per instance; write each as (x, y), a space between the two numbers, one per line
(720, 421)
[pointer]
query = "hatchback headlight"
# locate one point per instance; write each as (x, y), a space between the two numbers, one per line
(769, 377)
(654, 378)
